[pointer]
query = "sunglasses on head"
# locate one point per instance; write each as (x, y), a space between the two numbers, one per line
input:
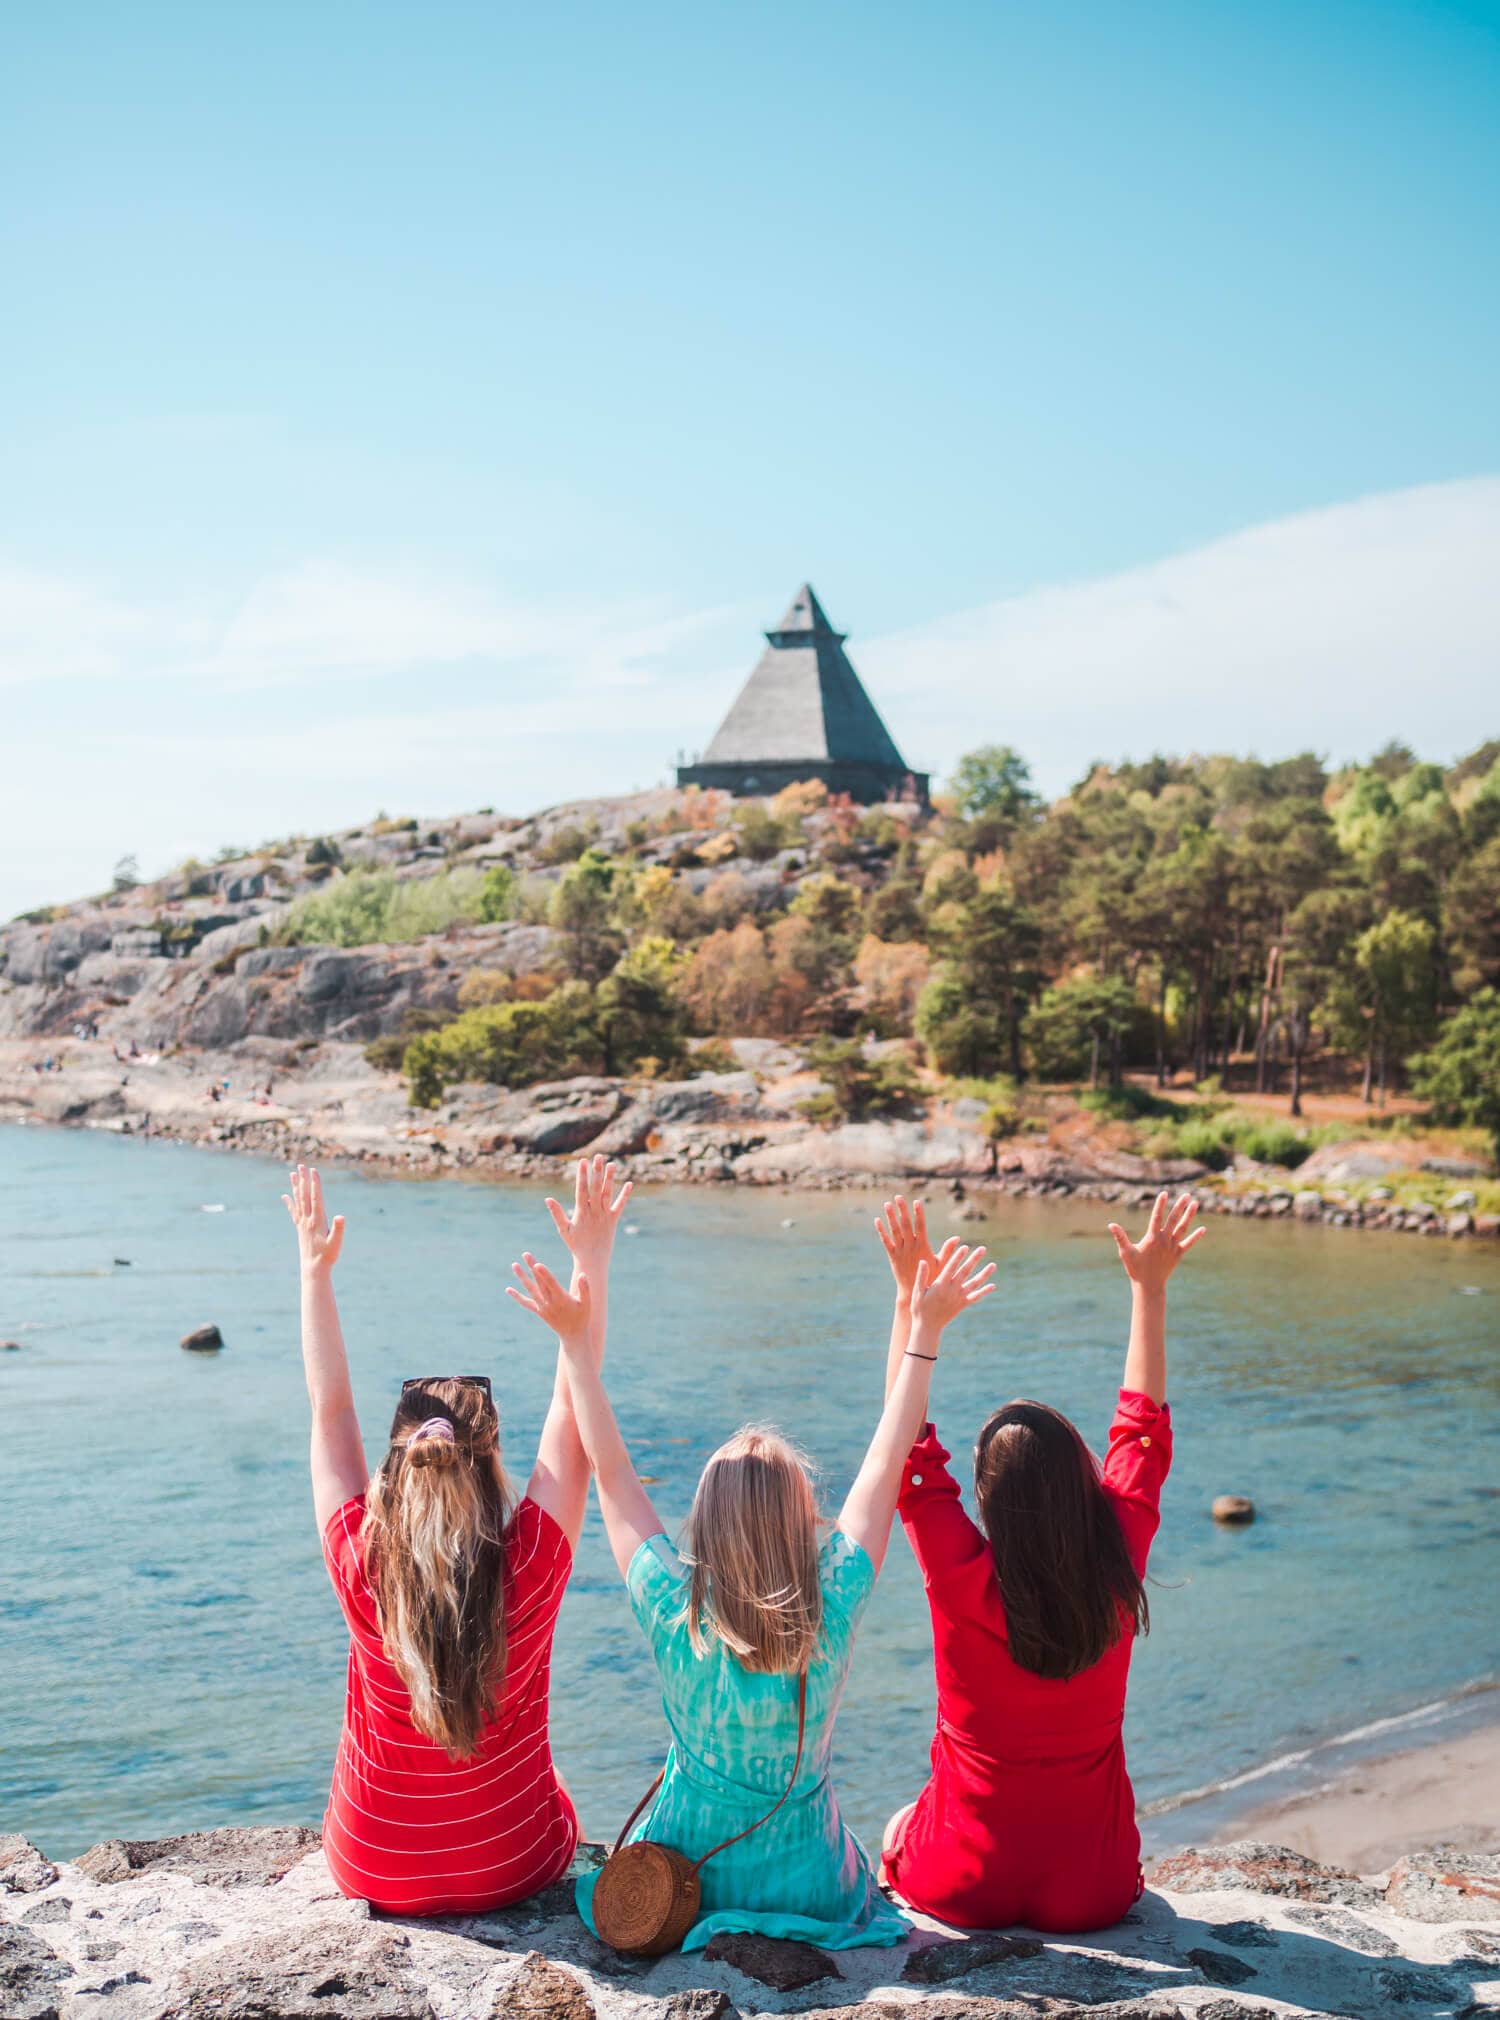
(428, 1381)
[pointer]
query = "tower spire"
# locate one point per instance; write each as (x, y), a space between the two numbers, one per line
(803, 714)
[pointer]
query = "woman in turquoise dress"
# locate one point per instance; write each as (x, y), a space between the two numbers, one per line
(750, 1606)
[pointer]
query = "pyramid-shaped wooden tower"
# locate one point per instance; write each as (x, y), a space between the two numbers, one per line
(804, 714)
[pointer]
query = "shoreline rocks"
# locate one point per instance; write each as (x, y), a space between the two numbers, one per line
(246, 1924)
(324, 1102)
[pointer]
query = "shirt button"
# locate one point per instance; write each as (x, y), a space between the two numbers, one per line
(1145, 1438)
(916, 1479)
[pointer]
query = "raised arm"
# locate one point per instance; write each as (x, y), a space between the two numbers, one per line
(903, 1236)
(1148, 1264)
(339, 1471)
(629, 1517)
(560, 1479)
(936, 1300)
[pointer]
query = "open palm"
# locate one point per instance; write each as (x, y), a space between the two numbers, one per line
(318, 1243)
(1151, 1260)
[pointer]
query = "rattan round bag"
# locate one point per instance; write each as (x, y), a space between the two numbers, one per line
(647, 1895)
(646, 1899)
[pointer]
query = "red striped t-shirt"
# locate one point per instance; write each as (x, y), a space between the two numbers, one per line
(410, 1830)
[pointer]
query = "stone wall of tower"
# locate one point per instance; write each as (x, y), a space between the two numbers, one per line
(869, 784)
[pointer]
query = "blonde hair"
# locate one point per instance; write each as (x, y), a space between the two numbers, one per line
(434, 1541)
(752, 1544)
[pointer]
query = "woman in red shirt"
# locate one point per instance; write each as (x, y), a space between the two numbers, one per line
(444, 1799)
(1029, 1816)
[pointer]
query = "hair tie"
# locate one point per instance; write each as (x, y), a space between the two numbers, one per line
(435, 1427)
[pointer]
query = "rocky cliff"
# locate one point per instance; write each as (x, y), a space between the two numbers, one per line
(192, 1008)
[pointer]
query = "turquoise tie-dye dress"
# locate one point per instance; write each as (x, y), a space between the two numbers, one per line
(734, 1739)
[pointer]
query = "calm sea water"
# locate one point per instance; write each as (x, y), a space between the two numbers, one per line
(172, 1654)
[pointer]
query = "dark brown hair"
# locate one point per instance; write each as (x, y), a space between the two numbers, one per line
(434, 1535)
(1069, 1587)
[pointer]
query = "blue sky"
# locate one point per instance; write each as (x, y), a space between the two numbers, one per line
(424, 406)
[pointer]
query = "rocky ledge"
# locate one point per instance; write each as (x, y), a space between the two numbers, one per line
(326, 1103)
(245, 1924)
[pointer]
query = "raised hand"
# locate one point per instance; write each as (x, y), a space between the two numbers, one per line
(318, 1243)
(938, 1296)
(1151, 1260)
(903, 1236)
(563, 1314)
(589, 1230)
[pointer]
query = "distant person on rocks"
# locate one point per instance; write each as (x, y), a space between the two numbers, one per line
(445, 1799)
(751, 1625)
(1029, 1815)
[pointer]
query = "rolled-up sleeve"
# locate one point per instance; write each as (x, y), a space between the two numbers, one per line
(657, 1585)
(931, 1509)
(1139, 1459)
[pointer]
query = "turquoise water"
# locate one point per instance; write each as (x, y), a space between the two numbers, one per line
(172, 1655)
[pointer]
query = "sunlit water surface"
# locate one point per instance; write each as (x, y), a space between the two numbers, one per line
(172, 1653)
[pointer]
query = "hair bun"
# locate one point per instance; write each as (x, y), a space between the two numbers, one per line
(434, 1452)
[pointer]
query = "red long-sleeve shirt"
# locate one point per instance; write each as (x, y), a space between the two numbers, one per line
(1029, 1816)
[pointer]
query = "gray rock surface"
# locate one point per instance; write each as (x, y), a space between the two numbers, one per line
(246, 1924)
(23, 1870)
(235, 1856)
(1451, 1887)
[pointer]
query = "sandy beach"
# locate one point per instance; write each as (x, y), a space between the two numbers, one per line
(1446, 1792)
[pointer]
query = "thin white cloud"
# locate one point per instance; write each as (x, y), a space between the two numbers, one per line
(327, 621)
(52, 628)
(1331, 630)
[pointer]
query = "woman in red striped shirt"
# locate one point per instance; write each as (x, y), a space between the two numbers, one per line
(445, 1799)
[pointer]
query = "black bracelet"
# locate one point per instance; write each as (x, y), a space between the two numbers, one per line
(919, 1357)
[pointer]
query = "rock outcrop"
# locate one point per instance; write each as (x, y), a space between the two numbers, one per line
(246, 1924)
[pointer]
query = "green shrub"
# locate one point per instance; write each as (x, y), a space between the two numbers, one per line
(1212, 1135)
(366, 907)
(1460, 1074)
(761, 834)
(497, 894)
(1128, 1102)
(432, 904)
(511, 1044)
(568, 843)
(631, 1018)
(1273, 1143)
(1002, 1103)
(714, 1055)
(1201, 1139)
(858, 1085)
(640, 1016)
(387, 1052)
(963, 1034)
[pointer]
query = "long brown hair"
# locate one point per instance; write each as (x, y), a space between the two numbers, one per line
(752, 1542)
(434, 1539)
(1069, 1587)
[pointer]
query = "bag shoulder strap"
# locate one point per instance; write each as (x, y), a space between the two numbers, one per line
(698, 1864)
(724, 1847)
(625, 1827)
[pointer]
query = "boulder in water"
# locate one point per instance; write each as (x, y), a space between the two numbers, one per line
(203, 1340)
(1233, 1509)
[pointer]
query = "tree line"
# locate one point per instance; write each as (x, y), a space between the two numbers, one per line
(1214, 915)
